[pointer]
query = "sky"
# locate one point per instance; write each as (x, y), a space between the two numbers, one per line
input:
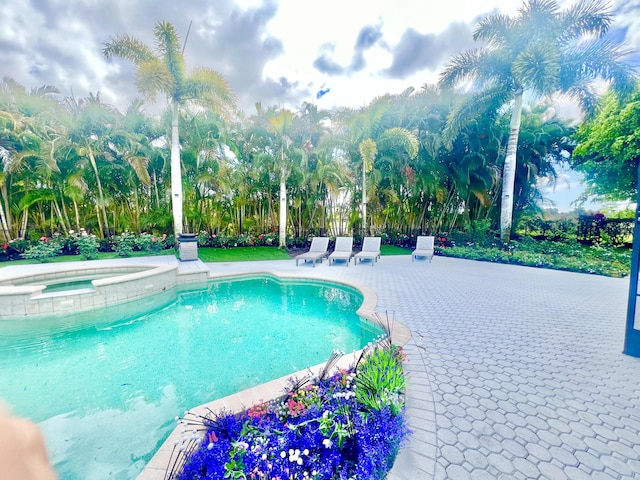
(278, 52)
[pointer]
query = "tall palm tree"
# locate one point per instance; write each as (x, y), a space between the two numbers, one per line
(543, 50)
(164, 71)
(280, 124)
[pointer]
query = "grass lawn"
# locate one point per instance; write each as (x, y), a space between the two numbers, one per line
(236, 254)
(78, 258)
(393, 250)
(242, 254)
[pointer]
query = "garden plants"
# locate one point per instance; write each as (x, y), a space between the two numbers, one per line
(344, 424)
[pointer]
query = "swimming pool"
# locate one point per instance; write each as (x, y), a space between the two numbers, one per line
(105, 396)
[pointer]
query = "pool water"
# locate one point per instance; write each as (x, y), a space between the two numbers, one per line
(64, 286)
(106, 397)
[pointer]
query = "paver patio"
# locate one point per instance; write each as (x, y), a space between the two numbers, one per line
(515, 372)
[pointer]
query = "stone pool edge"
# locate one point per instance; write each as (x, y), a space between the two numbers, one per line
(156, 468)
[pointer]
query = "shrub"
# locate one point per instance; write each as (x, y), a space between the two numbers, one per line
(87, 245)
(16, 247)
(124, 244)
(203, 239)
(45, 249)
(569, 256)
(145, 242)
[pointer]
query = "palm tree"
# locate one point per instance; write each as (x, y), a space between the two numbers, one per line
(27, 149)
(543, 50)
(164, 71)
(280, 124)
(362, 133)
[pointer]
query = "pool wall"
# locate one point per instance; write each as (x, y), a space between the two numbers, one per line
(131, 282)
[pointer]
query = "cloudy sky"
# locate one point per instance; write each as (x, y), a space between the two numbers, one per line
(279, 52)
(274, 51)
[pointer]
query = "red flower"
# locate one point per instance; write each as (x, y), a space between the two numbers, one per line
(260, 236)
(213, 437)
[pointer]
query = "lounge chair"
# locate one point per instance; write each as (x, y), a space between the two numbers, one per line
(343, 250)
(317, 252)
(424, 248)
(370, 250)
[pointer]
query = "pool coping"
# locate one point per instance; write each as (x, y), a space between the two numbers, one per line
(238, 402)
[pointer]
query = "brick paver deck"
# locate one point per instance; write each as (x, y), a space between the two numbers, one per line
(515, 372)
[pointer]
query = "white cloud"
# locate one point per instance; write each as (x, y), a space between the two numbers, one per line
(265, 48)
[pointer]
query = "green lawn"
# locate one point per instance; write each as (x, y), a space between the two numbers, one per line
(241, 254)
(78, 258)
(236, 254)
(393, 250)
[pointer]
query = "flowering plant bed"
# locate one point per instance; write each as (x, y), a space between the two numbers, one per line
(343, 425)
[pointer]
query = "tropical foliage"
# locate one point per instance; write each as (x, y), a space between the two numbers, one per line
(608, 149)
(426, 161)
(163, 71)
(79, 163)
(543, 50)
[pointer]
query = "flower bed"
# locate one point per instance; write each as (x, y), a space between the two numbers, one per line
(343, 425)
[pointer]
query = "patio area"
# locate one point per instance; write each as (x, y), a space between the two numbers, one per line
(514, 372)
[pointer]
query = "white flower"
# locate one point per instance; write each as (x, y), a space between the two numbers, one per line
(283, 454)
(299, 461)
(264, 456)
(327, 443)
(306, 451)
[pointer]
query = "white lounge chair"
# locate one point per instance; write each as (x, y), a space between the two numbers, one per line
(424, 248)
(343, 250)
(370, 250)
(317, 252)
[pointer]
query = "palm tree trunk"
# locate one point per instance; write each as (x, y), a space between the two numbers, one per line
(25, 219)
(6, 231)
(176, 173)
(155, 189)
(364, 199)
(99, 221)
(103, 208)
(509, 170)
(64, 211)
(282, 230)
(56, 209)
(8, 221)
(77, 214)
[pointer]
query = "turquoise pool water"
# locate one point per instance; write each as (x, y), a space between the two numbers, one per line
(105, 395)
